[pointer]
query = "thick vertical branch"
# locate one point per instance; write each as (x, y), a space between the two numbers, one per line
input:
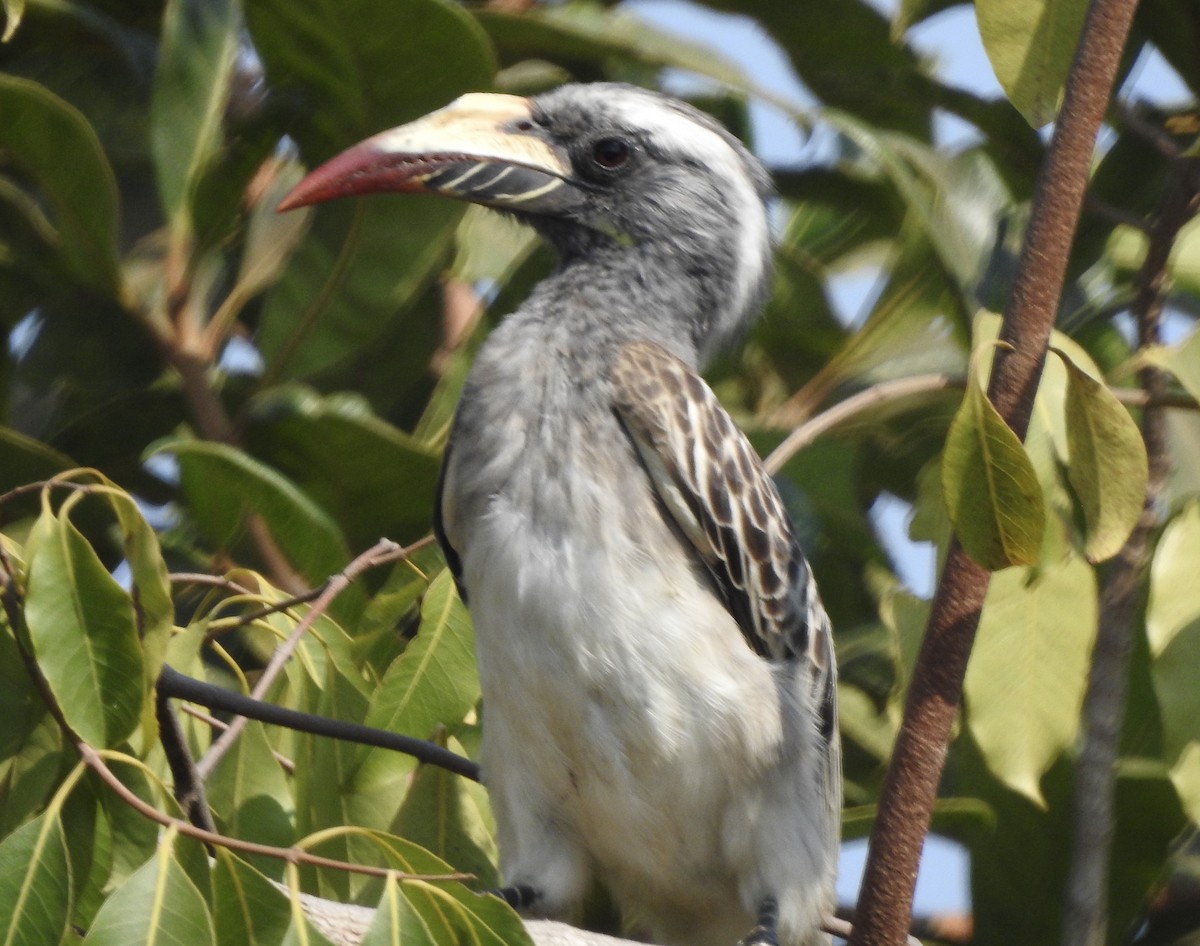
(910, 788)
(1086, 912)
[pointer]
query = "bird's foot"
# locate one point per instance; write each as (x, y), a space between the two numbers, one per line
(764, 933)
(518, 896)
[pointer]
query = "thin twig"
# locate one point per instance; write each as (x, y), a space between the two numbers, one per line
(935, 692)
(287, 764)
(216, 581)
(886, 392)
(293, 855)
(384, 551)
(1085, 915)
(881, 393)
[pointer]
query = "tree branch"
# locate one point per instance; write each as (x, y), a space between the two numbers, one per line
(910, 787)
(383, 551)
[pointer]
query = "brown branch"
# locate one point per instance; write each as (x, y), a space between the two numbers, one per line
(293, 855)
(383, 551)
(934, 695)
(1085, 915)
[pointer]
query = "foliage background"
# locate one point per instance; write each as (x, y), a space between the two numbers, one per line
(274, 390)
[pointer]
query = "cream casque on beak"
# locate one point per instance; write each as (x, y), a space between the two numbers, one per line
(478, 148)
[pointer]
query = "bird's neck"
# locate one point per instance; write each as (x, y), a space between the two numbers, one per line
(670, 293)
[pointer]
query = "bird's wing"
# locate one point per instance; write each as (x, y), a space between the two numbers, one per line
(714, 486)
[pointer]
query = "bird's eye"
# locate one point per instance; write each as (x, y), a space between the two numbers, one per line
(610, 153)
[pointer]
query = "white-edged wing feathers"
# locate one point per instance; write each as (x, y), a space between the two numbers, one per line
(713, 484)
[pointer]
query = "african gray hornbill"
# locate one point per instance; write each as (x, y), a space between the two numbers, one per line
(657, 667)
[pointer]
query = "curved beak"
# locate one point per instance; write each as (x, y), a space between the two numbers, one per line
(478, 148)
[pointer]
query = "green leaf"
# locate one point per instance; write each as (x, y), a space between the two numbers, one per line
(912, 12)
(35, 883)
(441, 814)
(249, 792)
(396, 923)
(81, 625)
(844, 53)
(53, 143)
(589, 33)
(1107, 462)
(150, 588)
(248, 909)
(1182, 360)
(191, 86)
(359, 67)
(991, 489)
(374, 479)
(157, 906)
(1028, 671)
(433, 683)
(223, 485)
(456, 915)
(13, 11)
(33, 764)
(1173, 631)
(325, 790)
(1031, 44)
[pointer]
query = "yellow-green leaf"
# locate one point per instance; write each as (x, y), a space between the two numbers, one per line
(1107, 461)
(440, 814)
(991, 488)
(1028, 671)
(157, 906)
(35, 883)
(1030, 44)
(247, 908)
(1173, 630)
(13, 11)
(82, 629)
(1182, 360)
(54, 144)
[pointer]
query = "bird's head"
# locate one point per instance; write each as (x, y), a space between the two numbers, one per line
(600, 170)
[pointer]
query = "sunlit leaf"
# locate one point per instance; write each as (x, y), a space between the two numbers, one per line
(57, 148)
(1173, 630)
(13, 11)
(247, 908)
(1031, 44)
(1028, 671)
(434, 682)
(157, 906)
(35, 883)
(455, 914)
(396, 923)
(991, 489)
(1182, 360)
(81, 625)
(1107, 465)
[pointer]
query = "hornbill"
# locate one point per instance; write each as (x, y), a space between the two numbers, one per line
(657, 668)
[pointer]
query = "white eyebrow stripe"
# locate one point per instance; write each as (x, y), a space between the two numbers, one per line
(682, 135)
